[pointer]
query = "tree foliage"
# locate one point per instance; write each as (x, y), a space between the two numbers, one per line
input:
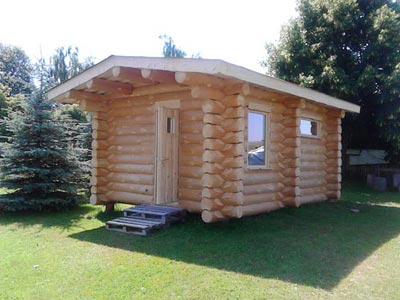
(349, 49)
(15, 70)
(39, 162)
(170, 49)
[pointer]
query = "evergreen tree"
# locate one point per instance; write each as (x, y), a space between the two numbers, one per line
(349, 49)
(170, 49)
(38, 163)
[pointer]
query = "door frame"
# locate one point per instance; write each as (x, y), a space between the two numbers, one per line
(171, 104)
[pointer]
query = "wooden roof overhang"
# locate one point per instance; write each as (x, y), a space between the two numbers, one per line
(125, 76)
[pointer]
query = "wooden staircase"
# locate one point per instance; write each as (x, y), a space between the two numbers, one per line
(143, 219)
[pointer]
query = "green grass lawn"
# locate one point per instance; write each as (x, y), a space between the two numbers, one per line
(321, 251)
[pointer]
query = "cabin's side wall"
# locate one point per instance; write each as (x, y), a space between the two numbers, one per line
(320, 166)
(263, 187)
(313, 157)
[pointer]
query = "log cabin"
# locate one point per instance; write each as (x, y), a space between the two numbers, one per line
(206, 135)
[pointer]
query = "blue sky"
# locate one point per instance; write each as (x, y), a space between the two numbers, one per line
(235, 31)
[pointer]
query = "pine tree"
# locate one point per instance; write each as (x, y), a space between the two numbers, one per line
(39, 163)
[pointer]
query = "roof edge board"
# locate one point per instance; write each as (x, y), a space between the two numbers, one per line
(206, 66)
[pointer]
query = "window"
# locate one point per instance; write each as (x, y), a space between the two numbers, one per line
(170, 125)
(309, 128)
(257, 154)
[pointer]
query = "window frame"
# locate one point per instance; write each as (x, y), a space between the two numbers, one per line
(266, 112)
(318, 135)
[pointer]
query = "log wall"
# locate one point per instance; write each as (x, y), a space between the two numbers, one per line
(190, 154)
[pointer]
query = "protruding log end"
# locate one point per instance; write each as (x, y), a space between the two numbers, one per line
(212, 216)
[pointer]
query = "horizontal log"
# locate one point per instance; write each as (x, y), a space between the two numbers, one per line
(213, 144)
(237, 88)
(313, 157)
(262, 188)
(98, 124)
(291, 181)
(254, 209)
(233, 150)
(129, 198)
(312, 191)
(191, 138)
(333, 178)
(131, 149)
(262, 177)
(232, 174)
(92, 105)
(233, 137)
(190, 183)
(197, 79)
(191, 104)
(132, 111)
(233, 198)
(146, 159)
(99, 163)
(213, 131)
(191, 127)
(98, 181)
(212, 193)
(233, 162)
(212, 216)
(190, 160)
(149, 100)
(292, 172)
(190, 194)
(146, 179)
(333, 194)
(98, 189)
(259, 198)
(213, 107)
(99, 172)
(291, 142)
(290, 191)
(234, 125)
(192, 149)
(190, 172)
(104, 85)
(99, 134)
(333, 170)
(137, 139)
(232, 186)
(131, 188)
(201, 92)
(234, 101)
(131, 121)
(333, 186)
(213, 119)
(212, 180)
(129, 74)
(211, 204)
(190, 206)
(158, 89)
(213, 156)
(191, 115)
(312, 198)
(309, 183)
(313, 174)
(333, 154)
(232, 211)
(212, 168)
(234, 112)
(131, 168)
(159, 76)
(291, 122)
(132, 130)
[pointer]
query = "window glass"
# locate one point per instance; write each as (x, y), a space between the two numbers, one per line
(308, 127)
(256, 139)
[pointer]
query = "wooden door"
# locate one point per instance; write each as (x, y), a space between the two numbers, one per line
(167, 155)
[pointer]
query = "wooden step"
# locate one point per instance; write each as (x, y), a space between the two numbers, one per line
(165, 214)
(143, 219)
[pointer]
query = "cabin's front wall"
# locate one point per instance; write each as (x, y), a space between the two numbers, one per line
(123, 152)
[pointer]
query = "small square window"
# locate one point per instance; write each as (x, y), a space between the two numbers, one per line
(309, 127)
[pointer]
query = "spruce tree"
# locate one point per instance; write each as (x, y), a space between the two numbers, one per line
(39, 163)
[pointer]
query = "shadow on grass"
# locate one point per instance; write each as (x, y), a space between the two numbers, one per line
(62, 219)
(315, 245)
